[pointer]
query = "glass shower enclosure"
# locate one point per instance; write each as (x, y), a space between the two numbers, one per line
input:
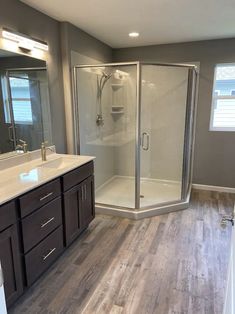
(138, 120)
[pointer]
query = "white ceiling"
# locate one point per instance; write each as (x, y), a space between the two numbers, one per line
(157, 21)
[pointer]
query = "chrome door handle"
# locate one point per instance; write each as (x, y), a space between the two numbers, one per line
(145, 135)
(83, 188)
(85, 192)
(82, 192)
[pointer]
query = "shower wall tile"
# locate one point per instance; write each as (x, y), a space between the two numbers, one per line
(95, 140)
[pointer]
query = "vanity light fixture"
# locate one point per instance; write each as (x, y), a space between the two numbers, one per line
(134, 34)
(23, 41)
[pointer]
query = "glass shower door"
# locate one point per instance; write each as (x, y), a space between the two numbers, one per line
(163, 116)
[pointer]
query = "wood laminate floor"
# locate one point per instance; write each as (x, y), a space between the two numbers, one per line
(174, 263)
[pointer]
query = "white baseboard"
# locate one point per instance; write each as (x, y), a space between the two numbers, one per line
(213, 188)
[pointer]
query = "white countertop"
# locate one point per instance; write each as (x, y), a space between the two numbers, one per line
(19, 179)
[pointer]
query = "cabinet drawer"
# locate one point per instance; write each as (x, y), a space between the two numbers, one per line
(43, 255)
(78, 175)
(7, 215)
(38, 225)
(39, 197)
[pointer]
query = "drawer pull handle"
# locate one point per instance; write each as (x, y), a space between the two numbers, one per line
(47, 222)
(51, 251)
(46, 196)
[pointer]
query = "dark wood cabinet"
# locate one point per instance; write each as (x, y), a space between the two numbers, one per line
(7, 215)
(72, 203)
(79, 208)
(11, 264)
(43, 255)
(39, 197)
(87, 208)
(41, 223)
(33, 227)
(76, 176)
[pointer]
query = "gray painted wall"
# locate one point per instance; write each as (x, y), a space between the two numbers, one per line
(83, 43)
(77, 48)
(214, 151)
(22, 18)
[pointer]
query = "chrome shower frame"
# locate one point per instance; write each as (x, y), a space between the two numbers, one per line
(189, 138)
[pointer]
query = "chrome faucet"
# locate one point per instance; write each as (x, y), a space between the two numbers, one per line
(22, 147)
(44, 150)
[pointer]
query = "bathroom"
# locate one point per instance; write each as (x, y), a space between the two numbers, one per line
(116, 157)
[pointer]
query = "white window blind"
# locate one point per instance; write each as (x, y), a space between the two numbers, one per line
(223, 99)
(21, 102)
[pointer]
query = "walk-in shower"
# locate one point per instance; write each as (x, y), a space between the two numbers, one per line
(138, 120)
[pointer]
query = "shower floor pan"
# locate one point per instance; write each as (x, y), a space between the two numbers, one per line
(117, 197)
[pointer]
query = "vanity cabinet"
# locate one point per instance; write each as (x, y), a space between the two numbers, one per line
(43, 255)
(42, 228)
(87, 208)
(36, 226)
(41, 223)
(78, 208)
(10, 253)
(78, 201)
(72, 208)
(39, 197)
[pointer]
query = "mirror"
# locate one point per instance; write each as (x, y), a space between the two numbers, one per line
(24, 103)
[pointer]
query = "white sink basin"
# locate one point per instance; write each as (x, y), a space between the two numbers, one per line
(58, 163)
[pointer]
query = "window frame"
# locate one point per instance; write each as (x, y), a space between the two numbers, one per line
(214, 98)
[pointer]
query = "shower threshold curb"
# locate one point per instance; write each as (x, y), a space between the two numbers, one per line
(137, 214)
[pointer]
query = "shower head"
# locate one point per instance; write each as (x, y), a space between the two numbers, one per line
(105, 75)
(104, 78)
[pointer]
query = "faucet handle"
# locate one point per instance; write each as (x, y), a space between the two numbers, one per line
(24, 145)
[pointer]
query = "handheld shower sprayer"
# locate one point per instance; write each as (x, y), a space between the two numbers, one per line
(100, 86)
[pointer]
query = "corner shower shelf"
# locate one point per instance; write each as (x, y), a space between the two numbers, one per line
(117, 110)
(116, 86)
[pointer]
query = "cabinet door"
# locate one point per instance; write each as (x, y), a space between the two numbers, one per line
(11, 264)
(87, 210)
(72, 204)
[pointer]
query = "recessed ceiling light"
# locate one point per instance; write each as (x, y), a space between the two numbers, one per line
(134, 34)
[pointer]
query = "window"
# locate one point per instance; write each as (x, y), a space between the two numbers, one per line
(223, 99)
(21, 101)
